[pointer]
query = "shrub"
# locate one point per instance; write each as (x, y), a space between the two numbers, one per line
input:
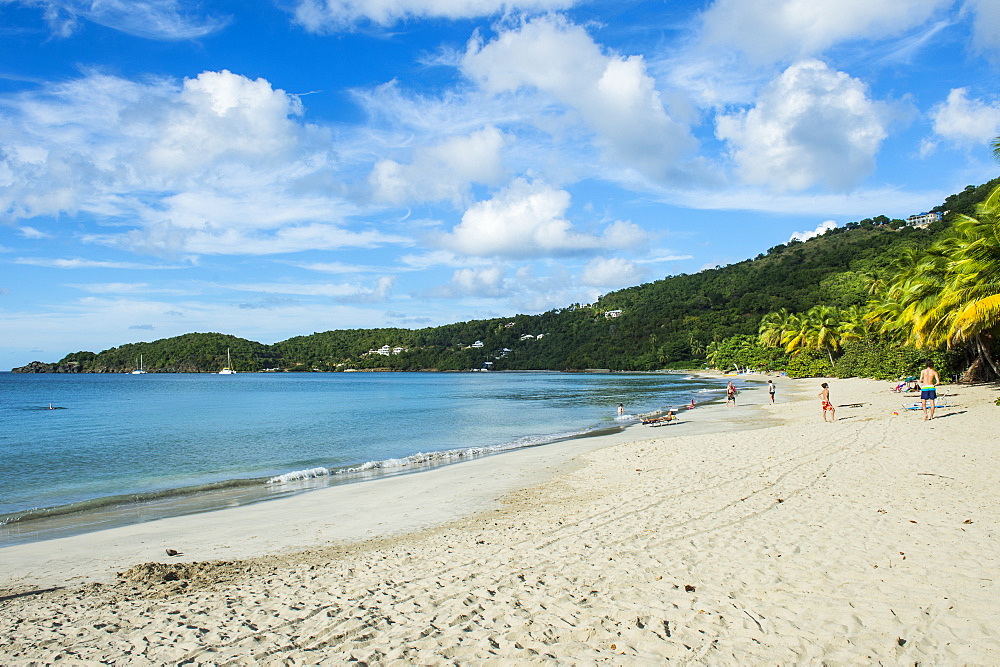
(809, 364)
(883, 360)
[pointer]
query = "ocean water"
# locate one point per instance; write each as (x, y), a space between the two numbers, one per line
(88, 451)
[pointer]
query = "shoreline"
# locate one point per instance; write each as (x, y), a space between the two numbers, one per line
(761, 534)
(96, 555)
(113, 511)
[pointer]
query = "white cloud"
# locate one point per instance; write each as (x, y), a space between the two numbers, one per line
(78, 263)
(114, 288)
(32, 233)
(611, 273)
(659, 259)
(220, 164)
(822, 228)
(860, 203)
(377, 291)
(442, 172)
(985, 27)
(221, 119)
(221, 240)
(613, 95)
(769, 31)
(151, 19)
(810, 125)
(966, 122)
(333, 15)
(485, 281)
(527, 219)
(424, 260)
(336, 267)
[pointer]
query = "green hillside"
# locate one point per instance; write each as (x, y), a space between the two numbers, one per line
(678, 321)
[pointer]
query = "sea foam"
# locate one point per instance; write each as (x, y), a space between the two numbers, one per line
(296, 475)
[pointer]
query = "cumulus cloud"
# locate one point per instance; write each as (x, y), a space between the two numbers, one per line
(528, 219)
(150, 19)
(778, 30)
(482, 281)
(613, 95)
(378, 292)
(444, 171)
(611, 273)
(822, 228)
(218, 164)
(811, 125)
(966, 122)
(334, 15)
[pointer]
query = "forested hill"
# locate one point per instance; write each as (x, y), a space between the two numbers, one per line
(666, 323)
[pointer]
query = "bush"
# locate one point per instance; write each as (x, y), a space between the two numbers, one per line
(883, 360)
(809, 364)
(744, 351)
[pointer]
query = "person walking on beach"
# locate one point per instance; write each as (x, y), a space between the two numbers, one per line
(929, 380)
(824, 397)
(770, 390)
(731, 393)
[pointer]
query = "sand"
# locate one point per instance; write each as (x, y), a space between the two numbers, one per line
(745, 534)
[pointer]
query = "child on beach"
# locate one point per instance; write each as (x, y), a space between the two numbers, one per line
(824, 397)
(770, 389)
(731, 393)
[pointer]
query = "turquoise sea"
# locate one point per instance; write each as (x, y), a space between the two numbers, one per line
(87, 451)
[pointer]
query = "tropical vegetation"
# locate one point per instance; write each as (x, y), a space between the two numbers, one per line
(942, 301)
(874, 297)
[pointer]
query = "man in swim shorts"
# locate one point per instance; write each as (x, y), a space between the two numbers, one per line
(824, 397)
(929, 380)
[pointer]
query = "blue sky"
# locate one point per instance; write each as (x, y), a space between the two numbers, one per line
(271, 168)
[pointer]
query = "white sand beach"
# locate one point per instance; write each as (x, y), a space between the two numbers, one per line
(746, 534)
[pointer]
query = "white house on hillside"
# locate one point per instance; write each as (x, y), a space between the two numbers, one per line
(923, 219)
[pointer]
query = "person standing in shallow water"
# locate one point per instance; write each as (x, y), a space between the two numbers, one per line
(824, 397)
(929, 380)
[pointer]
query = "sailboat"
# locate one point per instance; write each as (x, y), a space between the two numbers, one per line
(139, 370)
(228, 370)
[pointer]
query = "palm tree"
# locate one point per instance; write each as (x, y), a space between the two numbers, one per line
(854, 323)
(825, 322)
(950, 296)
(819, 328)
(774, 327)
(973, 293)
(712, 353)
